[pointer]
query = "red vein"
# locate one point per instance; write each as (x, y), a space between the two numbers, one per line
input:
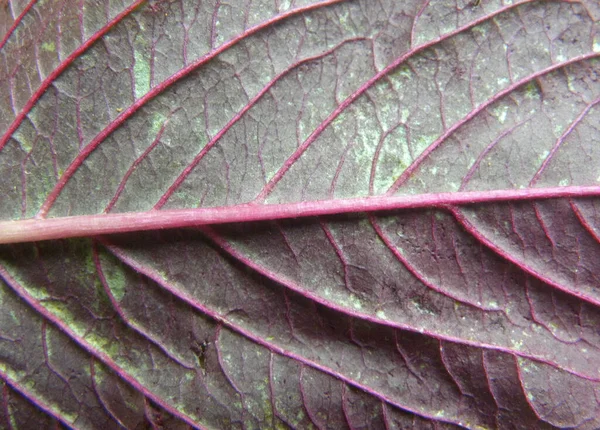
(413, 271)
(36, 229)
(191, 301)
(21, 292)
(463, 220)
(155, 91)
(562, 138)
(423, 156)
(126, 320)
(16, 23)
(34, 399)
(583, 221)
(99, 396)
(163, 200)
(268, 188)
(280, 280)
(487, 150)
(136, 164)
(35, 97)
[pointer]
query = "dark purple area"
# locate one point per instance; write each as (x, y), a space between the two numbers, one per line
(482, 315)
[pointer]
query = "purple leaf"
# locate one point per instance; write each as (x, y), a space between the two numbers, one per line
(299, 214)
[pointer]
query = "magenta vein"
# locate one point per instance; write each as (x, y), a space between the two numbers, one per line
(583, 221)
(284, 282)
(16, 23)
(136, 164)
(526, 394)
(268, 188)
(419, 276)
(163, 200)
(474, 231)
(487, 150)
(126, 320)
(100, 398)
(35, 97)
(427, 152)
(34, 399)
(21, 292)
(561, 139)
(309, 413)
(36, 229)
(158, 89)
(191, 301)
(272, 394)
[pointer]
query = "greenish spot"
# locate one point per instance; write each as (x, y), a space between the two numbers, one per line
(25, 145)
(13, 420)
(116, 280)
(49, 47)
(571, 80)
(500, 113)
(480, 30)
(405, 72)
(131, 404)
(531, 91)
(422, 142)
(104, 344)
(266, 402)
(561, 58)
(516, 344)
(343, 19)
(187, 200)
(405, 112)
(99, 374)
(422, 307)
(39, 293)
(381, 315)
(393, 160)
(558, 129)
(141, 71)
(158, 121)
(62, 312)
(596, 44)
(355, 302)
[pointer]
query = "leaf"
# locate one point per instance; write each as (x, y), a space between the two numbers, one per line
(414, 190)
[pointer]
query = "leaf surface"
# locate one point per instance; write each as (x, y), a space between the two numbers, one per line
(470, 315)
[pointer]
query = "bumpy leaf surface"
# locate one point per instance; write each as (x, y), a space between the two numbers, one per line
(483, 315)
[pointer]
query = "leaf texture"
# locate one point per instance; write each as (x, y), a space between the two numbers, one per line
(481, 315)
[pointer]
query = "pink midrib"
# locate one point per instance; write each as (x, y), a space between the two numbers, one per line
(91, 225)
